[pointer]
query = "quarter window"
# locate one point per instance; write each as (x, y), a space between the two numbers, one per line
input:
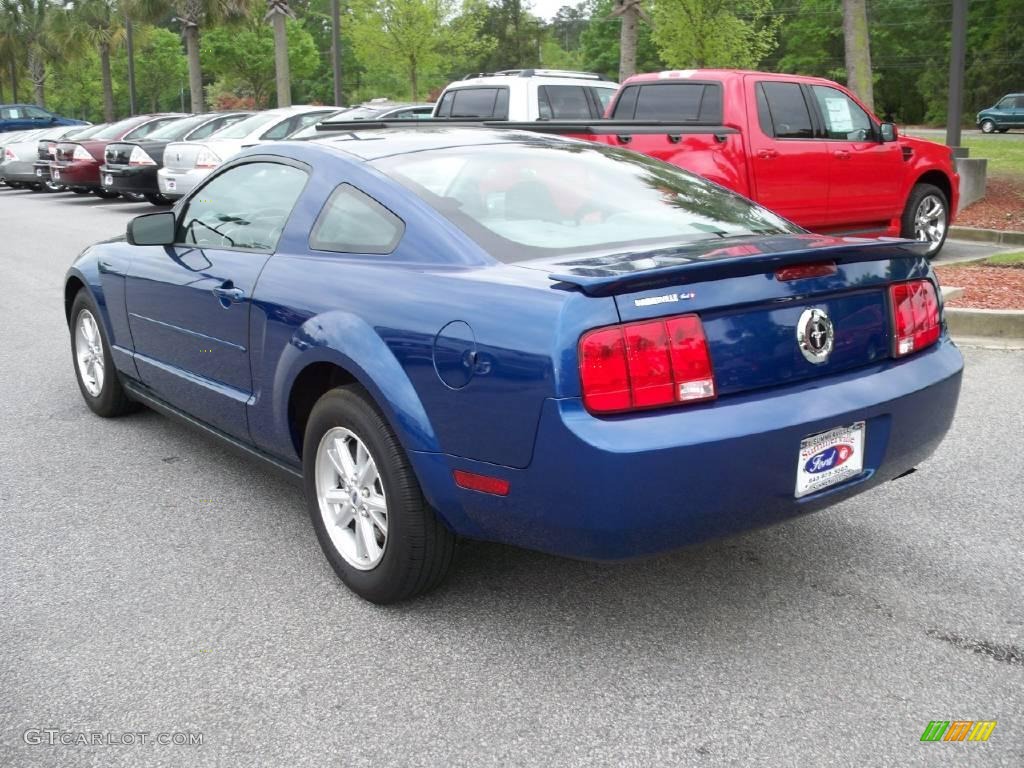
(844, 119)
(563, 102)
(243, 207)
(353, 222)
(784, 114)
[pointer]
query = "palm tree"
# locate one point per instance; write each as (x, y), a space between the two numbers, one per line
(278, 11)
(192, 14)
(27, 29)
(93, 24)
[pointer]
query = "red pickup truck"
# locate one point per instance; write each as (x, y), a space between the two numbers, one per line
(803, 147)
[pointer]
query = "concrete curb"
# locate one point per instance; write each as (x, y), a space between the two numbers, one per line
(950, 292)
(989, 323)
(986, 235)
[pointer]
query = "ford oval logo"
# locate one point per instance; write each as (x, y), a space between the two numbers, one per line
(830, 458)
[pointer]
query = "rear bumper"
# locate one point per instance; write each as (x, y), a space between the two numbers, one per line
(138, 179)
(173, 183)
(21, 171)
(81, 173)
(612, 489)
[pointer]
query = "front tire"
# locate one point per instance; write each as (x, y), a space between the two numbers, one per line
(160, 200)
(367, 509)
(106, 194)
(926, 217)
(987, 126)
(94, 365)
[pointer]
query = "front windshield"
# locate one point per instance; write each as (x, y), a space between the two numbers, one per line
(534, 199)
(179, 128)
(243, 128)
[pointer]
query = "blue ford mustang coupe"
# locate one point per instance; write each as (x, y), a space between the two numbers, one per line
(465, 331)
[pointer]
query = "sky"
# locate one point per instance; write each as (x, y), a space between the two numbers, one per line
(546, 9)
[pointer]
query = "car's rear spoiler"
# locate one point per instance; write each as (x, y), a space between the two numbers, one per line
(606, 276)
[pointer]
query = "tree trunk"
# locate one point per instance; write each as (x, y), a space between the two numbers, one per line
(336, 51)
(284, 80)
(108, 83)
(129, 39)
(14, 79)
(37, 73)
(858, 50)
(414, 81)
(627, 43)
(195, 72)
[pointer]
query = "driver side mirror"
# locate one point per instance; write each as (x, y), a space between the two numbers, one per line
(888, 132)
(152, 229)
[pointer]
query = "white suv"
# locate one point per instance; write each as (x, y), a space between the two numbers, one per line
(522, 95)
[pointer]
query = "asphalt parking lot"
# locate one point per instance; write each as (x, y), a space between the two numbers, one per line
(151, 581)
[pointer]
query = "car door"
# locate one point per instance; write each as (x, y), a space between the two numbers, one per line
(1018, 111)
(189, 304)
(789, 165)
(865, 174)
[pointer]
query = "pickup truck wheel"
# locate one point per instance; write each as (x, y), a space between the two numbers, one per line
(94, 366)
(926, 217)
(987, 126)
(367, 509)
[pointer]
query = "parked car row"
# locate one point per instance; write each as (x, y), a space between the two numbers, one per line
(159, 157)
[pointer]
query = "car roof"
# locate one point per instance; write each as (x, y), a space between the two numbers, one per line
(373, 143)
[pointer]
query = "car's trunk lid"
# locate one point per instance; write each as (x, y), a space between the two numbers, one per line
(181, 155)
(751, 313)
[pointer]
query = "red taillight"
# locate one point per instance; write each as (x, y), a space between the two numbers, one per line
(806, 270)
(483, 483)
(915, 316)
(9, 154)
(645, 365)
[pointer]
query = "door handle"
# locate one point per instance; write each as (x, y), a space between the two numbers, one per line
(624, 138)
(842, 154)
(767, 154)
(228, 294)
(674, 138)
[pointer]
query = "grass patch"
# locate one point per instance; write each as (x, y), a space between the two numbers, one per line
(1005, 153)
(1012, 259)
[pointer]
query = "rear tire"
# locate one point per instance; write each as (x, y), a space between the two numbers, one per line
(80, 190)
(926, 217)
(106, 194)
(412, 552)
(158, 200)
(94, 366)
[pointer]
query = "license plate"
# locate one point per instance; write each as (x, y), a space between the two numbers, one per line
(829, 458)
(108, 180)
(56, 175)
(171, 185)
(39, 172)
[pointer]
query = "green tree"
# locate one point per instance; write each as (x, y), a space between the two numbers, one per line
(96, 25)
(715, 33)
(29, 30)
(413, 37)
(160, 68)
(242, 58)
(600, 41)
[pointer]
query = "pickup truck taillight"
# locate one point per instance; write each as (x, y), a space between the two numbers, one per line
(915, 316)
(647, 364)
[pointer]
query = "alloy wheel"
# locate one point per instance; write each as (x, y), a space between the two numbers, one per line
(350, 494)
(89, 353)
(930, 220)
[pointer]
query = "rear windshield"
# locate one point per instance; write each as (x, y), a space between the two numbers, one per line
(114, 130)
(243, 128)
(177, 129)
(687, 102)
(87, 132)
(480, 102)
(532, 200)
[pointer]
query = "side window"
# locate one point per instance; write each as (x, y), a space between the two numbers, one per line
(212, 127)
(625, 107)
(690, 102)
(564, 102)
(147, 128)
(1006, 103)
(486, 103)
(604, 97)
(844, 119)
(787, 110)
(353, 222)
(244, 207)
(444, 109)
(282, 129)
(36, 113)
(1020, 102)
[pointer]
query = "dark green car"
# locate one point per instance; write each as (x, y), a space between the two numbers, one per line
(1007, 114)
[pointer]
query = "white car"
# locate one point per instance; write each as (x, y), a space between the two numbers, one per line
(186, 163)
(522, 95)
